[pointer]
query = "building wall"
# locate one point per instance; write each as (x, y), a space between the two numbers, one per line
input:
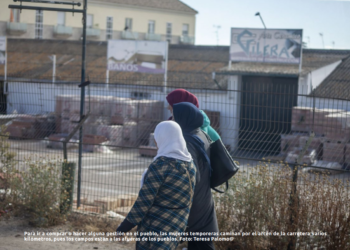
(140, 19)
(100, 12)
(313, 79)
(319, 75)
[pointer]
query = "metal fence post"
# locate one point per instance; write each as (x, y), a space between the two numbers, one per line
(293, 206)
(82, 100)
(67, 186)
(294, 198)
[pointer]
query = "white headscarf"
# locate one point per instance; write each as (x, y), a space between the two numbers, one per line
(170, 141)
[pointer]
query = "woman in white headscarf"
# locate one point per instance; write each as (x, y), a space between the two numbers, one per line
(165, 199)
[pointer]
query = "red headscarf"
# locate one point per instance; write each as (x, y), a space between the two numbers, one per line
(181, 95)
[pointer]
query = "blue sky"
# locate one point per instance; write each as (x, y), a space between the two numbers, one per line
(331, 18)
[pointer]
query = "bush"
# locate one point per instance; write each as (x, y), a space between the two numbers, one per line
(34, 192)
(39, 193)
(7, 167)
(261, 201)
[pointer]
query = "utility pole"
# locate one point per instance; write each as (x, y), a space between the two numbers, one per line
(258, 14)
(321, 34)
(83, 64)
(217, 27)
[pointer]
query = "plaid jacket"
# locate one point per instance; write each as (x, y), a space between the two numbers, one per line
(163, 204)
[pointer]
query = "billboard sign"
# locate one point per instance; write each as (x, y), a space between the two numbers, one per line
(2, 49)
(137, 56)
(266, 45)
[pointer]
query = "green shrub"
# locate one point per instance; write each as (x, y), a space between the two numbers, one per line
(260, 201)
(39, 193)
(34, 192)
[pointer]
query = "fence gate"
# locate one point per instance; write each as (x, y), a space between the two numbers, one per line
(266, 112)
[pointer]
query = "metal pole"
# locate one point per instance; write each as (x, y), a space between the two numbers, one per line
(293, 203)
(258, 14)
(294, 198)
(5, 73)
(82, 99)
(166, 69)
(301, 53)
(262, 21)
(53, 69)
(264, 43)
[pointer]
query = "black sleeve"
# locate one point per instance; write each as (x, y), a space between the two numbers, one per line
(125, 226)
(194, 155)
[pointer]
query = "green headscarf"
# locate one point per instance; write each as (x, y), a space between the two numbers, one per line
(214, 136)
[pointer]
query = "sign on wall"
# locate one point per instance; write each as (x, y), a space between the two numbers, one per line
(137, 56)
(266, 45)
(2, 49)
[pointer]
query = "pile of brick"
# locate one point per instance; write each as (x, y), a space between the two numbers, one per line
(113, 121)
(30, 127)
(332, 134)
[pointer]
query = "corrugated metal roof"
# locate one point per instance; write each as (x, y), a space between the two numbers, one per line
(337, 84)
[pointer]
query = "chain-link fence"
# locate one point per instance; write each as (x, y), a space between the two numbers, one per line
(257, 120)
(260, 121)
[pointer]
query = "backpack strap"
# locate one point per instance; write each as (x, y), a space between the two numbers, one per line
(221, 192)
(189, 180)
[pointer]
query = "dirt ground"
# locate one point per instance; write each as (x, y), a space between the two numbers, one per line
(12, 238)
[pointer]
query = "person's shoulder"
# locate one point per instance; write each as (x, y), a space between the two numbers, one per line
(162, 165)
(184, 163)
(170, 165)
(163, 161)
(190, 164)
(203, 136)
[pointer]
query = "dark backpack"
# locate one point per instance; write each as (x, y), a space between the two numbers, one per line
(222, 164)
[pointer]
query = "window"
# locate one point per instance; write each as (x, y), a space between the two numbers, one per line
(140, 95)
(185, 29)
(128, 24)
(15, 17)
(109, 29)
(89, 21)
(61, 18)
(39, 24)
(151, 26)
(168, 32)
